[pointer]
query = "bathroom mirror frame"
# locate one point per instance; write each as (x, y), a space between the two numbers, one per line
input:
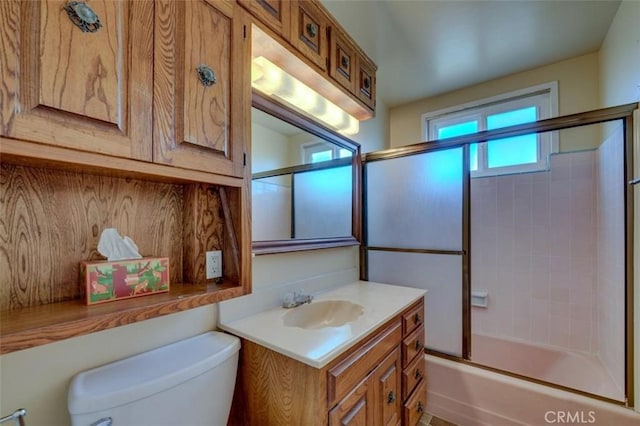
(288, 115)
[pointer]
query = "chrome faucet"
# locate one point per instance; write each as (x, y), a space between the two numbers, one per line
(297, 298)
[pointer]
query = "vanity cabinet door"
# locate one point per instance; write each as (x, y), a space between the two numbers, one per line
(356, 409)
(201, 90)
(309, 32)
(78, 76)
(276, 14)
(387, 382)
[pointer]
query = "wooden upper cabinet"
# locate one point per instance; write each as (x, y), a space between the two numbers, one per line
(342, 60)
(309, 31)
(86, 88)
(201, 86)
(276, 14)
(366, 82)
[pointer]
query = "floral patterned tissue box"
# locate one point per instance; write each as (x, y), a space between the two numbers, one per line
(123, 279)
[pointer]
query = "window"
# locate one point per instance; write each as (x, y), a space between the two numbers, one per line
(315, 152)
(526, 153)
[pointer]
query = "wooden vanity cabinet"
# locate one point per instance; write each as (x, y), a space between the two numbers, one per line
(414, 380)
(366, 385)
(201, 90)
(309, 31)
(88, 89)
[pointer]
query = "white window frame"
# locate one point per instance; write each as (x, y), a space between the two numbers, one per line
(544, 97)
(309, 148)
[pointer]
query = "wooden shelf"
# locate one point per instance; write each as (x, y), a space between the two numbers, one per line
(39, 325)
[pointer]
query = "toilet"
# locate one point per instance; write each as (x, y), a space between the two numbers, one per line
(189, 382)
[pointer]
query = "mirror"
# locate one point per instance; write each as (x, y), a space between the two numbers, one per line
(305, 182)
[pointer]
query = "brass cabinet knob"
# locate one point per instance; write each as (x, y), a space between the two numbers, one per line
(83, 16)
(206, 75)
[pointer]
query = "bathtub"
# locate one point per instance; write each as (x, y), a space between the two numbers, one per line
(468, 395)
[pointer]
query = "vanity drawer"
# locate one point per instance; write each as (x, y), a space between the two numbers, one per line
(342, 377)
(413, 318)
(415, 406)
(412, 345)
(412, 375)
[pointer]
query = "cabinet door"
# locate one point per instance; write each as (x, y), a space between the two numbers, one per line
(387, 378)
(309, 31)
(366, 82)
(276, 14)
(356, 409)
(201, 86)
(342, 61)
(86, 88)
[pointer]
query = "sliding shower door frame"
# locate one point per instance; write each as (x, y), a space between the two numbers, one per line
(623, 113)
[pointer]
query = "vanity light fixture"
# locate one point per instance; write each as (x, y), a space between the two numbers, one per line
(271, 80)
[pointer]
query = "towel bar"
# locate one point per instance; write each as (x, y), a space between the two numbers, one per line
(17, 417)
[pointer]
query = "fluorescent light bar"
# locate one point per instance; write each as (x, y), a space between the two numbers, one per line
(273, 81)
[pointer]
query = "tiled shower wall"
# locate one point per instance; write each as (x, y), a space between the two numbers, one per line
(610, 234)
(534, 250)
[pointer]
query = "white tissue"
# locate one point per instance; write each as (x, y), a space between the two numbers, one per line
(114, 247)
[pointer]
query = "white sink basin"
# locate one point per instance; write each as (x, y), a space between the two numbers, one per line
(326, 313)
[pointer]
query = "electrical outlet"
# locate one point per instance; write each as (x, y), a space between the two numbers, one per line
(213, 264)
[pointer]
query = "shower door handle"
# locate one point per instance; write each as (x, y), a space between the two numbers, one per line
(634, 181)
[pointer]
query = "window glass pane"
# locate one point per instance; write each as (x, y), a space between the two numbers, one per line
(473, 156)
(317, 157)
(344, 153)
(511, 118)
(458, 129)
(512, 151)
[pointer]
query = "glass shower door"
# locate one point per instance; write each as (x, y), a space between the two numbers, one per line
(414, 219)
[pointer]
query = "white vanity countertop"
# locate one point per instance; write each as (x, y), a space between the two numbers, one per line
(317, 347)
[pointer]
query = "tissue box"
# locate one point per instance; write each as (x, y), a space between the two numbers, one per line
(123, 279)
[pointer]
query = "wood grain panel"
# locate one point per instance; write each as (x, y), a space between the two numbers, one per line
(203, 229)
(196, 127)
(276, 14)
(283, 391)
(86, 91)
(356, 409)
(387, 390)
(84, 72)
(207, 108)
(51, 220)
(413, 345)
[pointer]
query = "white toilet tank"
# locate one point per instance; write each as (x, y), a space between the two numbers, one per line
(186, 383)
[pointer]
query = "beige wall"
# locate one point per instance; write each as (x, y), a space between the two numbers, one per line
(620, 57)
(578, 84)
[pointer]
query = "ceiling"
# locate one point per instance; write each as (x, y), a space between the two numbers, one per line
(424, 48)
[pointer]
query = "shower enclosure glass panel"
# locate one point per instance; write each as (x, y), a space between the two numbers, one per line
(414, 235)
(416, 201)
(441, 275)
(322, 203)
(548, 250)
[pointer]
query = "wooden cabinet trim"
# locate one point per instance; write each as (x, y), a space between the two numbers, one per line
(415, 406)
(413, 345)
(359, 364)
(413, 318)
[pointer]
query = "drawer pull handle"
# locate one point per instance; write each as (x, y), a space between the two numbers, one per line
(418, 374)
(420, 407)
(418, 344)
(312, 29)
(344, 61)
(83, 16)
(391, 397)
(367, 83)
(416, 319)
(206, 75)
